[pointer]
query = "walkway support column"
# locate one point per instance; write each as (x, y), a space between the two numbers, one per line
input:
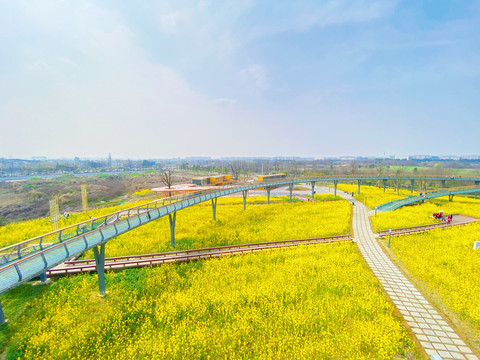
(359, 183)
(384, 184)
(268, 195)
(172, 219)
(99, 252)
(450, 197)
(313, 189)
(412, 184)
(2, 315)
(335, 183)
(290, 188)
(443, 184)
(476, 184)
(244, 193)
(214, 208)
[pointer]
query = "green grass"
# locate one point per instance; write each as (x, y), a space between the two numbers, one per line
(16, 305)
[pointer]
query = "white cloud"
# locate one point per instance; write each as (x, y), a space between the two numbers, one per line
(116, 100)
(255, 75)
(67, 61)
(173, 22)
(224, 102)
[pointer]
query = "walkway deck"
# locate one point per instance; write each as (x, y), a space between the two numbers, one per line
(432, 331)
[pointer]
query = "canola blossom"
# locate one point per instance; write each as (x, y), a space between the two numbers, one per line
(420, 214)
(24, 230)
(374, 195)
(143, 192)
(445, 262)
(308, 302)
(195, 227)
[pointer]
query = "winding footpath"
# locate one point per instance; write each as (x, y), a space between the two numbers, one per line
(432, 331)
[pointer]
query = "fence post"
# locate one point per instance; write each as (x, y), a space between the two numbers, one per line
(389, 236)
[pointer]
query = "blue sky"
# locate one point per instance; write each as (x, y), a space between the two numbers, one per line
(149, 79)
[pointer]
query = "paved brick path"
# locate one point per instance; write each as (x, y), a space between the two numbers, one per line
(432, 331)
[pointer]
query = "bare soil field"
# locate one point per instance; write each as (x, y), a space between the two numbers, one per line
(28, 199)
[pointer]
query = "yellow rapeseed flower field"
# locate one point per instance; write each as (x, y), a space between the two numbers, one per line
(445, 261)
(420, 214)
(143, 192)
(308, 302)
(374, 195)
(24, 230)
(195, 227)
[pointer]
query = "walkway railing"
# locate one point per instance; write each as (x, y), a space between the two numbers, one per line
(30, 246)
(27, 247)
(395, 204)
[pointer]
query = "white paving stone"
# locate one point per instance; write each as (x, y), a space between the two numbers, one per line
(431, 330)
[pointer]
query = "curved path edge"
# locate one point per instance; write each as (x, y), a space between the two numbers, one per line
(433, 333)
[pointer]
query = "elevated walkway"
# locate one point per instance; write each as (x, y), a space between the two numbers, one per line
(395, 204)
(32, 258)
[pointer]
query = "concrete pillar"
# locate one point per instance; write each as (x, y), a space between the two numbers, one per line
(443, 184)
(313, 189)
(214, 208)
(244, 193)
(100, 266)
(268, 195)
(412, 184)
(384, 184)
(450, 197)
(359, 183)
(43, 277)
(290, 188)
(172, 219)
(2, 315)
(335, 183)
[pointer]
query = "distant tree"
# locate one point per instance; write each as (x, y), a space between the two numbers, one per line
(380, 169)
(397, 181)
(236, 170)
(293, 168)
(437, 169)
(352, 168)
(422, 185)
(166, 177)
